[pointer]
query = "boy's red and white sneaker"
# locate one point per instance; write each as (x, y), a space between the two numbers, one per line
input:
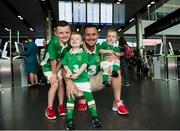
(120, 108)
(50, 114)
(82, 106)
(61, 110)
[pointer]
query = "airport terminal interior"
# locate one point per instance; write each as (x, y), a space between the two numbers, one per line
(151, 93)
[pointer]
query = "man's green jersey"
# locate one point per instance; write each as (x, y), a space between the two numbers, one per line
(74, 61)
(93, 60)
(114, 47)
(54, 52)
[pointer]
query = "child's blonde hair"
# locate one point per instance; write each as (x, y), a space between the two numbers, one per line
(111, 29)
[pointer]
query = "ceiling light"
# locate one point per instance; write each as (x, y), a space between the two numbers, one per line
(99, 29)
(148, 5)
(132, 19)
(31, 29)
(119, 30)
(81, 0)
(20, 17)
(43, 0)
(152, 2)
(118, 2)
(6, 29)
(77, 29)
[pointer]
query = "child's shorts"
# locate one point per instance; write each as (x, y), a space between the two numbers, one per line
(48, 74)
(105, 64)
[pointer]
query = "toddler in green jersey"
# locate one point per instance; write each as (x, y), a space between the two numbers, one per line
(107, 49)
(75, 64)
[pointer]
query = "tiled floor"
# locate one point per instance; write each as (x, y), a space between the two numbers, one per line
(153, 104)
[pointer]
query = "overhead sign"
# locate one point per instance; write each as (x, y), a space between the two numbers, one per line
(119, 14)
(65, 11)
(79, 12)
(106, 13)
(92, 12)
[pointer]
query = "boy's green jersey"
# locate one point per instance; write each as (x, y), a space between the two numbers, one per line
(53, 52)
(74, 62)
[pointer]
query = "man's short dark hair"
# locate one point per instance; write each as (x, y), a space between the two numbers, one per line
(90, 26)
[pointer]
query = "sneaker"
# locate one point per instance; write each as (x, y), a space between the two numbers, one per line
(70, 124)
(122, 110)
(114, 73)
(61, 110)
(106, 84)
(50, 114)
(126, 84)
(82, 106)
(96, 122)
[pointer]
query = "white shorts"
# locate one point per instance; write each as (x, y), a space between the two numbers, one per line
(48, 74)
(105, 64)
(84, 86)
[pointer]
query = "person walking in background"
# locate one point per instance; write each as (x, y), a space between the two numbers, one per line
(124, 63)
(51, 66)
(75, 64)
(107, 48)
(31, 61)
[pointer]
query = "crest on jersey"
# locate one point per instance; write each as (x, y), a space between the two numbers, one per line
(98, 58)
(79, 57)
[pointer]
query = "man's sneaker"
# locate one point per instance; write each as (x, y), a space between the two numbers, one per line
(82, 106)
(106, 84)
(61, 110)
(70, 124)
(50, 114)
(121, 109)
(96, 122)
(114, 73)
(126, 84)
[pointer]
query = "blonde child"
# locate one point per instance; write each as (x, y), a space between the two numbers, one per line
(108, 48)
(75, 64)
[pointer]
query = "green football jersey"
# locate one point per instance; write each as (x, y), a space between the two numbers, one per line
(93, 60)
(74, 62)
(53, 52)
(106, 46)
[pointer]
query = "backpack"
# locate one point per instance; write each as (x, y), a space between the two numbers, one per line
(128, 52)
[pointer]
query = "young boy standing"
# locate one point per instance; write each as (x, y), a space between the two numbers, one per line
(51, 65)
(75, 64)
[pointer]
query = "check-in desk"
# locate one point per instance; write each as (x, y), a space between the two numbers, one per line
(19, 74)
(12, 76)
(5, 73)
(165, 71)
